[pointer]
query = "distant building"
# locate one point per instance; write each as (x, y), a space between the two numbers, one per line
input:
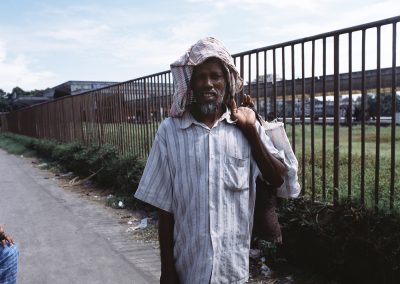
(25, 101)
(69, 88)
(72, 88)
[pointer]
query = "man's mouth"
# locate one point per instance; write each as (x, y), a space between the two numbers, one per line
(209, 95)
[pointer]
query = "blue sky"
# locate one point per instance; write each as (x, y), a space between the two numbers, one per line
(45, 43)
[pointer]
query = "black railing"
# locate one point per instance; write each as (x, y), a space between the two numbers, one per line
(322, 87)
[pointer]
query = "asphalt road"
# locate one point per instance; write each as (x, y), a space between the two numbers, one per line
(63, 238)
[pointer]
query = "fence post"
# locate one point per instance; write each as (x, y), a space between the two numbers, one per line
(336, 90)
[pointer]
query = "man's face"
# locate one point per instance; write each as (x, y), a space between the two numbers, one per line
(208, 86)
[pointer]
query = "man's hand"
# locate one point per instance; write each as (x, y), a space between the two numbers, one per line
(169, 277)
(166, 239)
(271, 168)
(244, 115)
(5, 238)
(247, 102)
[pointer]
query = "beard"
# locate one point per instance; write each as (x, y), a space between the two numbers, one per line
(207, 108)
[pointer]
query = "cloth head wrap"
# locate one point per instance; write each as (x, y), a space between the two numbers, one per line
(182, 70)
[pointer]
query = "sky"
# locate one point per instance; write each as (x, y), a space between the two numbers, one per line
(46, 43)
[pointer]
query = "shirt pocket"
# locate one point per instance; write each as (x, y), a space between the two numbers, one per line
(236, 173)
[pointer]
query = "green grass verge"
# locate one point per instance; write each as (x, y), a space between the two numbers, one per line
(121, 174)
(13, 147)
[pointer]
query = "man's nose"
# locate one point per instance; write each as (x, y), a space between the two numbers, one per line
(208, 82)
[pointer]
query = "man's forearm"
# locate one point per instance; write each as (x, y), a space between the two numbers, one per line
(271, 168)
(166, 240)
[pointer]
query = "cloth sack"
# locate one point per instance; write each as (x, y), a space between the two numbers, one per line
(266, 224)
(275, 130)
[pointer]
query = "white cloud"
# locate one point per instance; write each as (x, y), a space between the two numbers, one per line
(80, 33)
(17, 72)
(118, 37)
(266, 5)
(124, 41)
(155, 51)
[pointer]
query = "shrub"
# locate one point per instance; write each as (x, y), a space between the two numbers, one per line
(44, 148)
(348, 242)
(123, 174)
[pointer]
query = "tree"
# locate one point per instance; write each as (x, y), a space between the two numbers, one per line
(5, 104)
(386, 104)
(17, 92)
(371, 108)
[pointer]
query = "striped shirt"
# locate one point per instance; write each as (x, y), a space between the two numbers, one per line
(206, 179)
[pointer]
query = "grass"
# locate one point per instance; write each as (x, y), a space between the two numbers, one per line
(344, 162)
(15, 148)
(370, 138)
(128, 137)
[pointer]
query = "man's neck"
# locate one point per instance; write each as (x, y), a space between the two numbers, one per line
(207, 119)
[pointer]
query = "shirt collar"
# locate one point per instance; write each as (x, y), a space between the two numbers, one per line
(188, 119)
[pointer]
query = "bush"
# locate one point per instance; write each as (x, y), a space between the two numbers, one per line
(348, 243)
(44, 148)
(64, 154)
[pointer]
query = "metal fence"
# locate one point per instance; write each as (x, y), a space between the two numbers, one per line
(314, 85)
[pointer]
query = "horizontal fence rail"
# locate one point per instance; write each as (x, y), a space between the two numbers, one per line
(337, 94)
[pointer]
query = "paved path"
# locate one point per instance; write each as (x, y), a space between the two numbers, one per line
(64, 238)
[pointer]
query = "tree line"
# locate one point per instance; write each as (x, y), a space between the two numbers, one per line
(6, 99)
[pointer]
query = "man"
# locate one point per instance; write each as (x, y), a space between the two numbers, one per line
(8, 258)
(202, 170)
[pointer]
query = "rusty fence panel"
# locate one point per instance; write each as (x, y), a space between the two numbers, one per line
(316, 85)
(331, 90)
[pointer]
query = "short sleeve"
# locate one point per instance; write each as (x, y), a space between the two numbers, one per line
(155, 186)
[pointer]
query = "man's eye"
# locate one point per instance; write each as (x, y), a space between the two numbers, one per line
(216, 76)
(200, 77)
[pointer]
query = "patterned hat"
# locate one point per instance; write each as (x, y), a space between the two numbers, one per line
(182, 70)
